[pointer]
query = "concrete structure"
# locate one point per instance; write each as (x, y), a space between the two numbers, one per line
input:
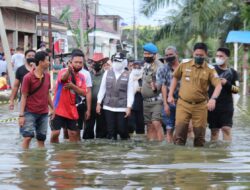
(20, 22)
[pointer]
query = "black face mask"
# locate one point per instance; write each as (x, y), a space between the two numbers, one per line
(30, 60)
(97, 67)
(170, 60)
(149, 59)
(199, 60)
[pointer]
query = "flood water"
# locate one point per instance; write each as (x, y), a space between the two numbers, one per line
(134, 164)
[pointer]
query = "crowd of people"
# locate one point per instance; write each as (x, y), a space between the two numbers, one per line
(162, 99)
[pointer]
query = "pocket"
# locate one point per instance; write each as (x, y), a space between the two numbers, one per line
(123, 87)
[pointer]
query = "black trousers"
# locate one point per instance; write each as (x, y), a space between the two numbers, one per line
(116, 124)
(136, 122)
(101, 128)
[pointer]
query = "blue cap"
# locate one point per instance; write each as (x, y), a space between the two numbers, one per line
(151, 48)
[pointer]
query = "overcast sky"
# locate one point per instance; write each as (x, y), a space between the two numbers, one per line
(124, 8)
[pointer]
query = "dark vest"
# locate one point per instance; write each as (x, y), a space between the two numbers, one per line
(116, 91)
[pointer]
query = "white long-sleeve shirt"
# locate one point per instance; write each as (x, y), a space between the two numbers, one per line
(130, 92)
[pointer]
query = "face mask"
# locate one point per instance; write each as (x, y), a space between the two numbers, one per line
(170, 60)
(117, 66)
(30, 60)
(77, 69)
(97, 67)
(137, 72)
(219, 61)
(199, 60)
(149, 59)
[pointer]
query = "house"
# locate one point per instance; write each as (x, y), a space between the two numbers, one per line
(20, 22)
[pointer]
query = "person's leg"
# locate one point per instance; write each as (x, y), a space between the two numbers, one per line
(111, 124)
(122, 125)
(72, 130)
(140, 126)
(88, 132)
(156, 120)
(227, 134)
(199, 120)
(170, 123)
(183, 116)
(131, 122)
(215, 134)
(226, 121)
(56, 124)
(101, 127)
(41, 129)
(28, 129)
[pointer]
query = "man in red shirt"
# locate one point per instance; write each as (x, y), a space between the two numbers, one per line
(33, 118)
(70, 84)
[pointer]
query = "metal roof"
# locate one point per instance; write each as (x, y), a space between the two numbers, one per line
(238, 36)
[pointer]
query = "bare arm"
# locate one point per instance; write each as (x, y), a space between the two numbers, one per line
(14, 93)
(22, 108)
(88, 99)
(172, 89)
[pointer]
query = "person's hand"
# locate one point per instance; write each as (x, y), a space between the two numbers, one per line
(87, 115)
(68, 85)
(128, 112)
(166, 109)
(70, 68)
(11, 106)
(52, 114)
(153, 86)
(21, 121)
(171, 100)
(211, 104)
(223, 81)
(98, 109)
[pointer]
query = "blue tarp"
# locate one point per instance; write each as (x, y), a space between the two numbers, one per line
(239, 37)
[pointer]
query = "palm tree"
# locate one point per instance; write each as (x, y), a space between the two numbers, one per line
(197, 19)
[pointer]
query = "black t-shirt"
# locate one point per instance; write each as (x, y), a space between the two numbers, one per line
(21, 72)
(225, 100)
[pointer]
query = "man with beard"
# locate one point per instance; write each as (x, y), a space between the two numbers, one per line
(20, 73)
(116, 93)
(70, 84)
(221, 118)
(96, 75)
(164, 76)
(151, 92)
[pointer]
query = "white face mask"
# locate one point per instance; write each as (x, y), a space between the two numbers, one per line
(219, 61)
(118, 66)
(137, 72)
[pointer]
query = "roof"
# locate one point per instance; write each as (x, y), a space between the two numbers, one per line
(238, 36)
(21, 5)
(59, 5)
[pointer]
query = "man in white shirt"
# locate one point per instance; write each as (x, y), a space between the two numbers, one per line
(3, 65)
(17, 59)
(116, 94)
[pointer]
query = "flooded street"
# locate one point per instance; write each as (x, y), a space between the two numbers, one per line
(133, 164)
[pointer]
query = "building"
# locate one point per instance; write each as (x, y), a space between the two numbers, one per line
(20, 23)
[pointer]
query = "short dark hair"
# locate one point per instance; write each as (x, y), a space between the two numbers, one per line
(200, 45)
(3, 73)
(28, 51)
(77, 53)
(40, 56)
(19, 49)
(224, 50)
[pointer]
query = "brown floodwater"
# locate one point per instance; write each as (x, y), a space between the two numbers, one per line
(133, 164)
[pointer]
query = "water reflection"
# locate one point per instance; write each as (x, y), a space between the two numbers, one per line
(125, 165)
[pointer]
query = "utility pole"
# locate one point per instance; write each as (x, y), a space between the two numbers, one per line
(50, 28)
(41, 18)
(6, 49)
(94, 41)
(135, 33)
(87, 29)
(81, 25)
